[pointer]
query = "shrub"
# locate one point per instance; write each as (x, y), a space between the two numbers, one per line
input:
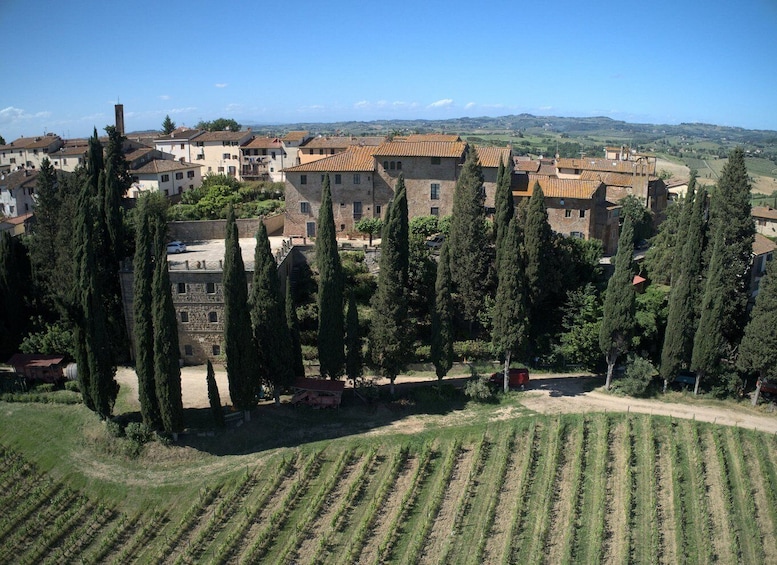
(45, 387)
(138, 432)
(424, 226)
(478, 389)
(639, 374)
(114, 428)
(309, 352)
(423, 353)
(72, 386)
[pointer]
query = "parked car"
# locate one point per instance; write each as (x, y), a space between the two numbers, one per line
(435, 241)
(176, 247)
(517, 378)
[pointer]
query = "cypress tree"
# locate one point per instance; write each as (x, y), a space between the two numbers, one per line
(216, 410)
(331, 346)
(244, 371)
(510, 320)
(684, 295)
(268, 316)
(353, 342)
(730, 214)
(298, 364)
(758, 350)
(618, 313)
(442, 317)
(15, 279)
(167, 371)
(143, 270)
(681, 235)
(504, 208)
(468, 240)
(389, 341)
(709, 340)
(168, 125)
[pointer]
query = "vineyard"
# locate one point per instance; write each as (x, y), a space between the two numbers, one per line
(571, 489)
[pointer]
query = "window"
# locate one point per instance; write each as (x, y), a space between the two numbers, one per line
(181, 288)
(225, 156)
(178, 176)
(338, 179)
(567, 213)
(435, 160)
(320, 151)
(190, 174)
(273, 154)
(232, 171)
(434, 193)
(342, 227)
(210, 288)
(377, 210)
(357, 210)
(219, 169)
(577, 234)
(303, 179)
(357, 179)
(165, 178)
(392, 165)
(434, 211)
(310, 229)
(184, 316)
(213, 317)
(399, 165)
(216, 350)
(304, 207)
(385, 165)
(582, 213)
(188, 351)
(183, 146)
(200, 157)
(13, 160)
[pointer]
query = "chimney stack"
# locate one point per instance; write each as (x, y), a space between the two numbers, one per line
(119, 118)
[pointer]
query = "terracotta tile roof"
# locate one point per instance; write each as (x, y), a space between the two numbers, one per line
(547, 169)
(70, 151)
(19, 179)
(489, 156)
(19, 360)
(263, 143)
(224, 135)
(765, 212)
(180, 133)
(421, 149)
(295, 136)
(78, 142)
(341, 142)
(552, 187)
(163, 166)
(17, 220)
(417, 137)
(763, 245)
(354, 158)
(43, 142)
(610, 179)
(526, 165)
(608, 165)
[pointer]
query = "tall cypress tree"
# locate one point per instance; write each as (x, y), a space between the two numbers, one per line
(389, 341)
(510, 325)
(216, 410)
(15, 288)
(504, 207)
(353, 342)
(468, 240)
(684, 295)
(298, 364)
(331, 327)
(268, 316)
(618, 315)
(681, 235)
(758, 350)
(244, 371)
(442, 317)
(167, 371)
(143, 270)
(708, 343)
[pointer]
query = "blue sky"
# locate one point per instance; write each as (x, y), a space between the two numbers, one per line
(65, 64)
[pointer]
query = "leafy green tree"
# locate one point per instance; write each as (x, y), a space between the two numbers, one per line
(421, 275)
(389, 343)
(353, 342)
(618, 313)
(641, 217)
(424, 226)
(331, 346)
(219, 124)
(292, 323)
(511, 320)
(579, 340)
(685, 293)
(167, 370)
(216, 410)
(504, 208)
(468, 239)
(370, 226)
(650, 314)
(15, 278)
(758, 350)
(168, 125)
(709, 341)
(244, 370)
(143, 331)
(268, 316)
(442, 317)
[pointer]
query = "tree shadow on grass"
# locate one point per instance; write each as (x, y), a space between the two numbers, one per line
(568, 386)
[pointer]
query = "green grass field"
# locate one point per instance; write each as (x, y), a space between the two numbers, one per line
(389, 484)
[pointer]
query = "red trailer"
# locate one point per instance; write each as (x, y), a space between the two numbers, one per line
(320, 393)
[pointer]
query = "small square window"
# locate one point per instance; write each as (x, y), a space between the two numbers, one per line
(188, 350)
(434, 211)
(178, 176)
(210, 288)
(216, 350)
(304, 207)
(165, 178)
(181, 288)
(184, 316)
(213, 317)
(190, 174)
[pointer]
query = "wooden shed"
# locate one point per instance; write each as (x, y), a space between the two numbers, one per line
(317, 392)
(44, 368)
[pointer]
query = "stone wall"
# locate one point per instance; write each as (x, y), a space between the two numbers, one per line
(198, 230)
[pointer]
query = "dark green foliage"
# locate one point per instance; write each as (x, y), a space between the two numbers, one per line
(331, 330)
(650, 321)
(420, 281)
(579, 340)
(442, 317)
(15, 289)
(218, 192)
(641, 217)
(758, 350)
(298, 367)
(168, 125)
(504, 208)
(49, 339)
(730, 214)
(244, 370)
(143, 331)
(216, 410)
(268, 317)
(167, 371)
(468, 239)
(219, 124)
(639, 374)
(353, 342)
(424, 226)
(618, 312)
(370, 226)
(511, 319)
(685, 293)
(389, 335)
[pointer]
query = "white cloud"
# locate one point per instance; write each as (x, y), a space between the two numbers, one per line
(220, 85)
(444, 103)
(11, 115)
(164, 97)
(469, 105)
(362, 104)
(545, 108)
(183, 110)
